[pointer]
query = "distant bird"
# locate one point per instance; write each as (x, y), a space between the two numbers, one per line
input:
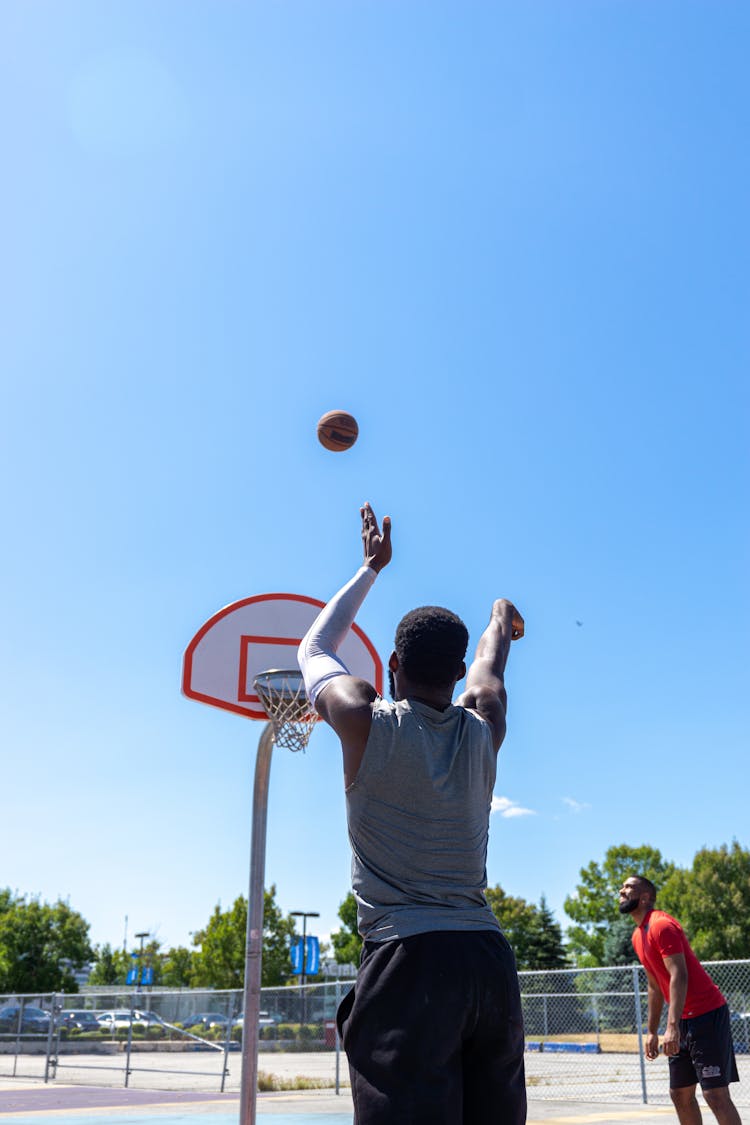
(579, 623)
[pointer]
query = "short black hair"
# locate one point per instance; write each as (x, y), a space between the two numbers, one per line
(430, 645)
(646, 885)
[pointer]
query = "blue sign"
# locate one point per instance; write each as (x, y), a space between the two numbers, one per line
(132, 977)
(311, 953)
(312, 956)
(295, 953)
(147, 976)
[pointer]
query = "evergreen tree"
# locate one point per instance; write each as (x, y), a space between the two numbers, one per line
(546, 949)
(618, 944)
(518, 921)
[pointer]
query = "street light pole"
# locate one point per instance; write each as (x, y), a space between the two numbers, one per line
(144, 934)
(304, 915)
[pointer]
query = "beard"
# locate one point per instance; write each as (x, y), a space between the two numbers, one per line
(629, 906)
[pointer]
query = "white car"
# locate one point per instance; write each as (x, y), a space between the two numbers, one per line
(264, 1020)
(119, 1019)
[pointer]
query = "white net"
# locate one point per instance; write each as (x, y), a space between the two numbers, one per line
(282, 693)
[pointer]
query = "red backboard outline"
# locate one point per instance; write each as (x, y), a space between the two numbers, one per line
(248, 704)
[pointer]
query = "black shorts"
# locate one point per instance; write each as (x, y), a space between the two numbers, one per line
(433, 1032)
(706, 1052)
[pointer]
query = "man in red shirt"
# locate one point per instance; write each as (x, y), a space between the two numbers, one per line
(697, 1039)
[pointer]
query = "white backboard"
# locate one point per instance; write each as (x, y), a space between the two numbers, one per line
(257, 634)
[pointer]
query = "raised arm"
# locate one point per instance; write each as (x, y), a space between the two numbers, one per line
(343, 700)
(485, 682)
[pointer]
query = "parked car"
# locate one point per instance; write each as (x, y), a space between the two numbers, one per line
(120, 1018)
(204, 1020)
(153, 1019)
(34, 1021)
(264, 1020)
(78, 1019)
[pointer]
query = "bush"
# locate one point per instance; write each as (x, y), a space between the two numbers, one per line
(274, 1082)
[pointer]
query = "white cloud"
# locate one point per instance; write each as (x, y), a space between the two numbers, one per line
(508, 808)
(575, 806)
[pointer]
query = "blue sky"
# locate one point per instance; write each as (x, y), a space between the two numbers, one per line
(513, 240)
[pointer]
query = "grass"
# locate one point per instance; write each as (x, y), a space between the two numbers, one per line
(269, 1082)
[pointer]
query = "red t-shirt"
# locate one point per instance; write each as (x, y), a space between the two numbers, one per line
(660, 936)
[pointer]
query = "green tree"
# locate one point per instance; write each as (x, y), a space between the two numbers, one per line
(220, 963)
(278, 930)
(618, 943)
(532, 931)
(712, 902)
(178, 967)
(110, 966)
(41, 945)
(519, 922)
(152, 958)
(113, 965)
(536, 939)
(546, 949)
(594, 906)
(347, 943)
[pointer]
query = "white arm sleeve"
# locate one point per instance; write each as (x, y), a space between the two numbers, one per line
(317, 651)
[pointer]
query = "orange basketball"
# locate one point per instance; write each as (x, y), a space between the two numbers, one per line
(337, 430)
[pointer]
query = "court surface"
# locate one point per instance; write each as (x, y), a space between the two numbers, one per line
(24, 1104)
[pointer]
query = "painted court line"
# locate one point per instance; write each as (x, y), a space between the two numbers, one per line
(608, 1115)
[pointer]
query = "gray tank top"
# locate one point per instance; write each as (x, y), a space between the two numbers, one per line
(418, 816)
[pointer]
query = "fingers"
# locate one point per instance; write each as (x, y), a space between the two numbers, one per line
(369, 521)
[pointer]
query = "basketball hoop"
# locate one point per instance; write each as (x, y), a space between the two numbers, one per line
(282, 694)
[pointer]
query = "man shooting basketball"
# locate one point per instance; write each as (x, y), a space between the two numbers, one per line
(433, 1028)
(697, 1039)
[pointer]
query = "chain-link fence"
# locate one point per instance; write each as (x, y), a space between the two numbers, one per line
(585, 1030)
(188, 1039)
(584, 1035)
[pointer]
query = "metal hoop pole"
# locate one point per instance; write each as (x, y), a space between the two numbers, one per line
(254, 938)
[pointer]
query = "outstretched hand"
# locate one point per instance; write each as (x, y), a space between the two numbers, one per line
(376, 544)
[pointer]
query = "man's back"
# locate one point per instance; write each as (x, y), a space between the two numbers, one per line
(433, 1029)
(418, 815)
